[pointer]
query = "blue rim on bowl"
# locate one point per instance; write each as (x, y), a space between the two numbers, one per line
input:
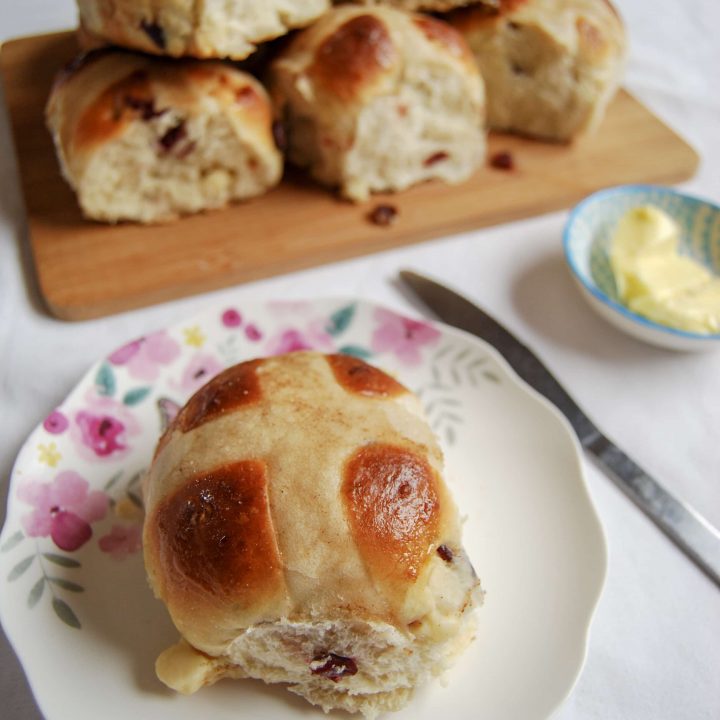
(650, 194)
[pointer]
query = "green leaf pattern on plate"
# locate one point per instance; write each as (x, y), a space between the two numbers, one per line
(136, 395)
(450, 370)
(12, 541)
(105, 382)
(20, 569)
(340, 321)
(65, 613)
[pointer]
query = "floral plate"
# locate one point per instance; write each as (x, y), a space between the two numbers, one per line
(74, 601)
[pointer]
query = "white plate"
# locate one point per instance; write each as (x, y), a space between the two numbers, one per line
(85, 625)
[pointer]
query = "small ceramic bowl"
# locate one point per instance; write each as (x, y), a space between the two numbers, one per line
(586, 243)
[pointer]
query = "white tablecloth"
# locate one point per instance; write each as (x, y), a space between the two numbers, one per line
(655, 645)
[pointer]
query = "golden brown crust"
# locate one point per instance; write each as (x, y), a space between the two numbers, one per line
(123, 101)
(391, 499)
(307, 538)
(593, 45)
(355, 501)
(227, 392)
(193, 28)
(356, 376)
(214, 535)
(484, 13)
(482, 16)
(551, 66)
(444, 35)
(367, 95)
(100, 94)
(79, 62)
(354, 55)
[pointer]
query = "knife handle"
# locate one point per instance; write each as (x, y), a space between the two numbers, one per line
(683, 525)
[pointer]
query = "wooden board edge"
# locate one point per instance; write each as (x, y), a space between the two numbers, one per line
(59, 306)
(62, 309)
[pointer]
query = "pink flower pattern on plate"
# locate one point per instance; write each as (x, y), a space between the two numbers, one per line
(56, 423)
(311, 337)
(402, 336)
(104, 425)
(253, 333)
(231, 318)
(121, 541)
(101, 431)
(63, 509)
(201, 368)
(144, 356)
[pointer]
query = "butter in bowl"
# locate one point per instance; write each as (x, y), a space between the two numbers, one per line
(647, 259)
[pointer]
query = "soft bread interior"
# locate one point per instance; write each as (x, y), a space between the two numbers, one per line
(414, 111)
(429, 129)
(386, 664)
(140, 176)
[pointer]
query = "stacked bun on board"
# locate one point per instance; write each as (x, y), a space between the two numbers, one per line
(162, 116)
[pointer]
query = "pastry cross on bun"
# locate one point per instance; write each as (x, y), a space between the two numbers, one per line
(299, 531)
(146, 139)
(376, 99)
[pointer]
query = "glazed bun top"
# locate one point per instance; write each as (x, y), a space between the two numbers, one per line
(194, 28)
(592, 30)
(303, 487)
(97, 97)
(354, 54)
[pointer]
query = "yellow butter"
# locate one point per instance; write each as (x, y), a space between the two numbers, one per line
(655, 281)
(667, 276)
(184, 669)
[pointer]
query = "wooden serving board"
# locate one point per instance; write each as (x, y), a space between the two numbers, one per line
(86, 269)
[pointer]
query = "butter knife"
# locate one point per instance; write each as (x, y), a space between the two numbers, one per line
(691, 532)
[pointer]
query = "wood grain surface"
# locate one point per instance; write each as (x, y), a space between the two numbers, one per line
(87, 269)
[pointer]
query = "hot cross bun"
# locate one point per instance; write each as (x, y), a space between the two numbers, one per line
(299, 530)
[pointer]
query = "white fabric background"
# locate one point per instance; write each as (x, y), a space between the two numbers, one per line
(654, 649)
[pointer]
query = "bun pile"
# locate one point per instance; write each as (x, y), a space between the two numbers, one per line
(371, 96)
(299, 530)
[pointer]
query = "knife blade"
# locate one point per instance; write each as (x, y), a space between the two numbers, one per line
(682, 524)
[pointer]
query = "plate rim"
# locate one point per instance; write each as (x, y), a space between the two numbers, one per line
(600, 537)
